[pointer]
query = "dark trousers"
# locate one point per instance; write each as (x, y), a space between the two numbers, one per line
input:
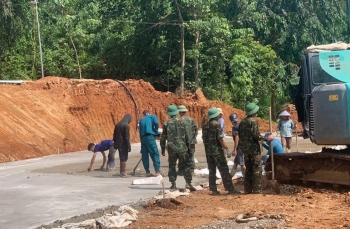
(220, 162)
(184, 165)
(252, 179)
(191, 158)
(123, 154)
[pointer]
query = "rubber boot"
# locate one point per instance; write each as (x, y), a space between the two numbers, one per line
(123, 173)
(190, 187)
(173, 186)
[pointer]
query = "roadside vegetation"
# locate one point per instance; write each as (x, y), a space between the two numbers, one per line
(236, 51)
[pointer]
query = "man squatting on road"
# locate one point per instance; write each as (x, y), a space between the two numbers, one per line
(192, 132)
(121, 138)
(237, 150)
(148, 132)
(174, 132)
(249, 137)
(101, 147)
(214, 145)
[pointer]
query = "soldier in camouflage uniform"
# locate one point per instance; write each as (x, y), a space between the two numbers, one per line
(174, 133)
(192, 132)
(249, 137)
(214, 146)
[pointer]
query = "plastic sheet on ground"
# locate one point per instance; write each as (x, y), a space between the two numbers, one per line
(237, 175)
(121, 218)
(148, 180)
(205, 171)
(168, 194)
(339, 147)
(200, 172)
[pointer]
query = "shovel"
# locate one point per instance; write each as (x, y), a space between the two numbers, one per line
(296, 138)
(274, 183)
(133, 172)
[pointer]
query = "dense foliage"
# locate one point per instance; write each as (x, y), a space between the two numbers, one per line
(235, 50)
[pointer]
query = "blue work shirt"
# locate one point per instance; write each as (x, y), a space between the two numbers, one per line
(103, 146)
(286, 127)
(149, 125)
(277, 147)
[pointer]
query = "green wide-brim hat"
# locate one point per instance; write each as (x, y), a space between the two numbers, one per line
(172, 110)
(182, 108)
(251, 109)
(213, 112)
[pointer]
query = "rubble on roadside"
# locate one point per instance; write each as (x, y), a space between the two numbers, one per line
(123, 217)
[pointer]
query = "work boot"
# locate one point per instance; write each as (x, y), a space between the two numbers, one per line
(190, 187)
(215, 192)
(173, 186)
(123, 173)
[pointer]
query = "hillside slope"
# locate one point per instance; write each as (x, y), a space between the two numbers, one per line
(57, 115)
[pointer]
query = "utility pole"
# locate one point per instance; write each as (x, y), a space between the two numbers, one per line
(35, 3)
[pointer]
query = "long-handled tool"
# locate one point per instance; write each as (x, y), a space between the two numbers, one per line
(296, 138)
(274, 183)
(133, 172)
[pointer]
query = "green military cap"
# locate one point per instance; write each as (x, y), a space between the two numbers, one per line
(172, 110)
(251, 109)
(182, 108)
(213, 112)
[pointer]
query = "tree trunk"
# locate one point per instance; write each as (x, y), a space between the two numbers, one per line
(196, 61)
(77, 57)
(182, 42)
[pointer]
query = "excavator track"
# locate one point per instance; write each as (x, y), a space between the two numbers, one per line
(327, 167)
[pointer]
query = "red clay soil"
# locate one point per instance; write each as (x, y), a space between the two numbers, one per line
(58, 115)
(296, 207)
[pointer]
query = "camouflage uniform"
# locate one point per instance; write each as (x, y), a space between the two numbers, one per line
(212, 134)
(191, 131)
(174, 133)
(249, 137)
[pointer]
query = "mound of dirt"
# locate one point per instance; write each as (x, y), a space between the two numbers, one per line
(58, 115)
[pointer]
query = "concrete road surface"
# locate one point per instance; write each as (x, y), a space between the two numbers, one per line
(39, 191)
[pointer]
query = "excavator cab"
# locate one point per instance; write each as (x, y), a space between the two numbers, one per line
(323, 106)
(323, 96)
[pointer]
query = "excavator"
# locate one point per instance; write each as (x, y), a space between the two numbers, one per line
(323, 105)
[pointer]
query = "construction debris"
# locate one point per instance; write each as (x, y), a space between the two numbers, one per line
(123, 217)
(87, 224)
(149, 180)
(169, 194)
(241, 219)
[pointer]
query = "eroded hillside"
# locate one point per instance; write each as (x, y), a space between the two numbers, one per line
(57, 115)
